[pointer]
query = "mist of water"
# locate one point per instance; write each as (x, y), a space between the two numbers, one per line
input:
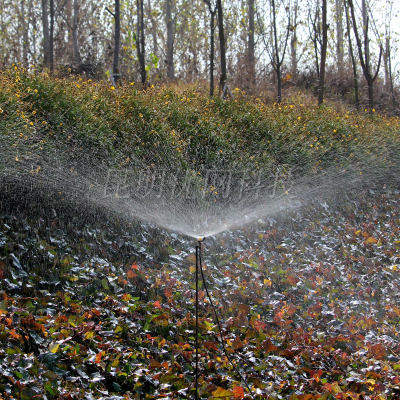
(197, 202)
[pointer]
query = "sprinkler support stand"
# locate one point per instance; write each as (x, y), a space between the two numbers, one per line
(198, 260)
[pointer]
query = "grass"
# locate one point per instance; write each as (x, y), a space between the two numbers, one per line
(119, 124)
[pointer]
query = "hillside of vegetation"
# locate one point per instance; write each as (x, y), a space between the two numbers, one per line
(96, 307)
(117, 124)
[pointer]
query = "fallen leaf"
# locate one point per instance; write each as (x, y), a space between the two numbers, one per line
(238, 392)
(222, 393)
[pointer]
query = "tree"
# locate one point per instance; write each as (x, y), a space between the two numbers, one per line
(117, 40)
(352, 57)
(154, 29)
(140, 41)
(318, 33)
(24, 23)
(223, 89)
(251, 60)
(293, 40)
(213, 11)
(314, 30)
(51, 38)
(364, 54)
(339, 36)
(76, 57)
(170, 22)
(387, 53)
(277, 45)
(46, 34)
(321, 84)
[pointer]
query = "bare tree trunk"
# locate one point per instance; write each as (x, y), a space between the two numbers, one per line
(222, 45)
(69, 21)
(33, 22)
(51, 45)
(293, 41)
(277, 62)
(339, 36)
(353, 60)
(321, 85)
(76, 57)
(117, 40)
(140, 41)
(386, 63)
(153, 28)
(251, 60)
(367, 58)
(46, 34)
(25, 38)
(170, 39)
(365, 27)
(212, 51)
(315, 33)
(213, 12)
(364, 55)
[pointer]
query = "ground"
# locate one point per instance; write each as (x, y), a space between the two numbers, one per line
(308, 302)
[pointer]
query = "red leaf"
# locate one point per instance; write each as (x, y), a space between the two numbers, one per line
(157, 304)
(377, 351)
(259, 325)
(95, 312)
(268, 346)
(316, 375)
(131, 274)
(292, 279)
(98, 357)
(238, 392)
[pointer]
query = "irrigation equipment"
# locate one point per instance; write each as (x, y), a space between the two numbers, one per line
(198, 266)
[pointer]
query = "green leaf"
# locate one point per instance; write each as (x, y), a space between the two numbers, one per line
(104, 284)
(51, 388)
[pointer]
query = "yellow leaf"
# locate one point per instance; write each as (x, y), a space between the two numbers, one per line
(54, 347)
(115, 363)
(267, 282)
(221, 393)
(89, 335)
(336, 388)
(192, 269)
(357, 232)
(371, 240)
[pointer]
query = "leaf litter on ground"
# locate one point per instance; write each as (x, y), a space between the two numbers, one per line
(309, 304)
